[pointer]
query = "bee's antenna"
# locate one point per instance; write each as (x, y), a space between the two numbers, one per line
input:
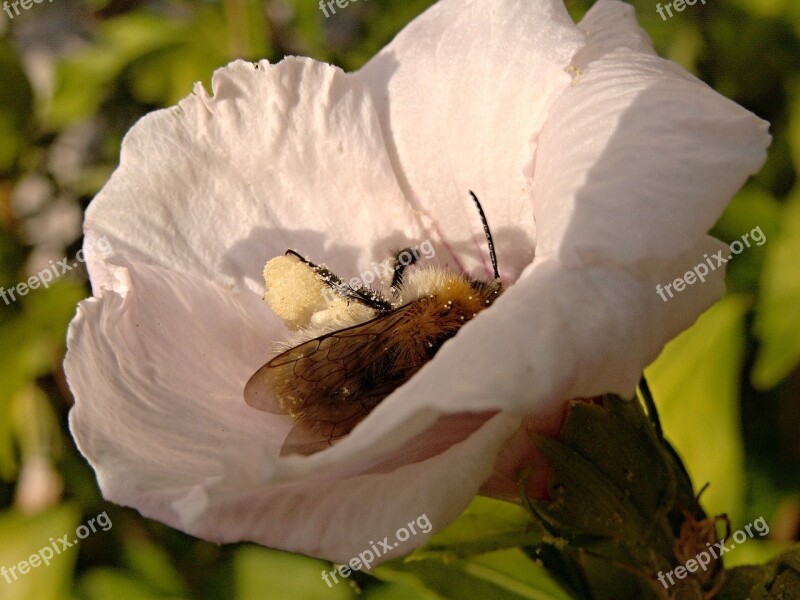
(488, 233)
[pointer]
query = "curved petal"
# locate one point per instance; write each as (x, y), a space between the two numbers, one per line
(562, 332)
(460, 92)
(285, 155)
(206, 191)
(519, 456)
(133, 364)
(188, 451)
(638, 158)
(315, 515)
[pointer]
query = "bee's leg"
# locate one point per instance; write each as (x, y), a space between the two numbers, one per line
(369, 297)
(327, 277)
(402, 260)
(364, 295)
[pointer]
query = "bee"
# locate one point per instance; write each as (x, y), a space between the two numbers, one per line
(350, 353)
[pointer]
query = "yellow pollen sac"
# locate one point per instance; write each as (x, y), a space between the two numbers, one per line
(294, 292)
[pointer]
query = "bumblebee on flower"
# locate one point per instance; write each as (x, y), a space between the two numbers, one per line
(589, 182)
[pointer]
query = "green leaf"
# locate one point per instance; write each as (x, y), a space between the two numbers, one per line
(85, 80)
(756, 551)
(167, 75)
(33, 342)
(778, 313)
(11, 256)
(620, 507)
(635, 465)
(764, 8)
(305, 27)
(152, 565)
(503, 575)
(106, 583)
(617, 497)
(408, 589)
(485, 526)
(755, 214)
(793, 131)
(264, 573)
(247, 33)
(16, 107)
(778, 580)
(584, 503)
(695, 382)
(21, 537)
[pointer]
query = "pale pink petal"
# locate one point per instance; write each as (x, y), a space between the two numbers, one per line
(497, 97)
(558, 333)
(337, 518)
(638, 158)
(461, 91)
(286, 155)
(562, 333)
(158, 378)
(519, 456)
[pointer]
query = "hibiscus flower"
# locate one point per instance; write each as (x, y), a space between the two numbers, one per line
(600, 167)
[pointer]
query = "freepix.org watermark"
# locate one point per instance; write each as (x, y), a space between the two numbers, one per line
(56, 269)
(703, 559)
(365, 559)
(16, 4)
(330, 3)
(56, 547)
(701, 270)
(383, 271)
(678, 5)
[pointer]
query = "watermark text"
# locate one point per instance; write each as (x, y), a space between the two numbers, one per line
(329, 4)
(383, 272)
(703, 559)
(365, 559)
(701, 270)
(47, 553)
(678, 5)
(24, 4)
(46, 276)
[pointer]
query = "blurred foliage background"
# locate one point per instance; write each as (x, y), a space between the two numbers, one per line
(75, 75)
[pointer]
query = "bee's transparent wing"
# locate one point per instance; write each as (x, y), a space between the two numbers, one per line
(303, 441)
(259, 394)
(332, 382)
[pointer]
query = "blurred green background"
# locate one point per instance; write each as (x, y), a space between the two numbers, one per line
(75, 75)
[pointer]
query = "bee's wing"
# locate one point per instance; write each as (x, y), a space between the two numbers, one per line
(325, 376)
(258, 393)
(301, 440)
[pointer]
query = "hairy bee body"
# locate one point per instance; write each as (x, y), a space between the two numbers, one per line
(330, 383)
(350, 353)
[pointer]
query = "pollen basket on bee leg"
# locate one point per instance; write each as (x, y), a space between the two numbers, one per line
(293, 291)
(308, 305)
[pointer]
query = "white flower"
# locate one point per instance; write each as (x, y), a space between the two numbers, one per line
(600, 165)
